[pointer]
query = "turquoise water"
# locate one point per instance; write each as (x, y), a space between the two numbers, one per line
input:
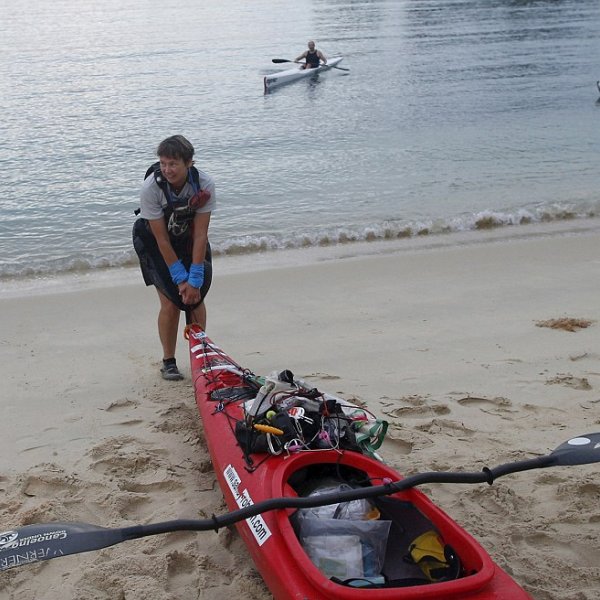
(455, 115)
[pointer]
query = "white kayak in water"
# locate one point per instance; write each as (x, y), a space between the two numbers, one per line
(297, 72)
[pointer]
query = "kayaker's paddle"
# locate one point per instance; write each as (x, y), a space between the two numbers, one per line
(34, 543)
(285, 60)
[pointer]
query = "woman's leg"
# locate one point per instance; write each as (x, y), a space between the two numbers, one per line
(168, 325)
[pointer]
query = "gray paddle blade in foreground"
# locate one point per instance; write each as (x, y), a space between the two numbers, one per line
(33, 543)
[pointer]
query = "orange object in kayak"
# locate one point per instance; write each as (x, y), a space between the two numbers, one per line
(268, 429)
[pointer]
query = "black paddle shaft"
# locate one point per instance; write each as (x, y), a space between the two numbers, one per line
(286, 60)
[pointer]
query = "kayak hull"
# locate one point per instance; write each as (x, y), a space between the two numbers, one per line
(270, 537)
(280, 78)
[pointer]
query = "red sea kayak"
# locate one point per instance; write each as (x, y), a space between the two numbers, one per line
(276, 437)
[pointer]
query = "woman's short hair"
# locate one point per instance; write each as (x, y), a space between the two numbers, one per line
(176, 147)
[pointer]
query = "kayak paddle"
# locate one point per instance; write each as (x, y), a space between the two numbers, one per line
(285, 60)
(34, 543)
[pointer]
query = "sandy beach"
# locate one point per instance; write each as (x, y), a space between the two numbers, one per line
(451, 343)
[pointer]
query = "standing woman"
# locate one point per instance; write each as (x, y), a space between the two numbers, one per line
(171, 240)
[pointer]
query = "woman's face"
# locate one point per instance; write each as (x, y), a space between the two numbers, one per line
(175, 170)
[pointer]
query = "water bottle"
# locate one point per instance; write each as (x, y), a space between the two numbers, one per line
(274, 382)
(261, 404)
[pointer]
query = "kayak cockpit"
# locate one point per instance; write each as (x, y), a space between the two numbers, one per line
(367, 546)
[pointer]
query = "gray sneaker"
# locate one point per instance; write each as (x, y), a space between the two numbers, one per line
(170, 371)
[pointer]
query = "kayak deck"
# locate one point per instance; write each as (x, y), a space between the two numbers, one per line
(296, 73)
(224, 392)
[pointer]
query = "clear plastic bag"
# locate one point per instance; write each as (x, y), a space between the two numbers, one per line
(355, 509)
(344, 548)
(338, 556)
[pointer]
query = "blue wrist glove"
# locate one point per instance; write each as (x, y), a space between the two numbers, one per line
(178, 272)
(196, 278)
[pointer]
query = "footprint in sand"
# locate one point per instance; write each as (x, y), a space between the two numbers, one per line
(398, 445)
(50, 482)
(582, 356)
(568, 380)
(419, 407)
(589, 405)
(550, 478)
(569, 551)
(155, 481)
(418, 411)
(403, 440)
(443, 426)
(141, 476)
(179, 563)
(121, 405)
(127, 423)
(579, 494)
(125, 457)
(178, 418)
(356, 400)
(54, 494)
(128, 505)
(324, 376)
(495, 406)
(499, 500)
(139, 498)
(413, 400)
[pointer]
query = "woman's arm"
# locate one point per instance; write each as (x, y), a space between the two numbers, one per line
(159, 230)
(190, 291)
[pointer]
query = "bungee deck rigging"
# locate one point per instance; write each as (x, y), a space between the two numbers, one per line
(278, 415)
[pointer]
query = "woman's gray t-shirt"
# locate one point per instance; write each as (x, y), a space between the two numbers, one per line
(153, 200)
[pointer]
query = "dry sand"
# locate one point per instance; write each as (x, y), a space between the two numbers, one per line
(452, 344)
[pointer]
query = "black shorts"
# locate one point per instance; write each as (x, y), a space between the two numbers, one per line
(156, 272)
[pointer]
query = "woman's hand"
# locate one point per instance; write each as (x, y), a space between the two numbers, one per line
(189, 294)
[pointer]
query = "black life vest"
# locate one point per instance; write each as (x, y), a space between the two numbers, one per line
(178, 214)
(163, 184)
(312, 59)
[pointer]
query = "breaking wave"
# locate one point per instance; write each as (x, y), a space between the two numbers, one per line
(225, 245)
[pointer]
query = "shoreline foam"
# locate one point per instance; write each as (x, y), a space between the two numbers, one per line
(231, 246)
(283, 258)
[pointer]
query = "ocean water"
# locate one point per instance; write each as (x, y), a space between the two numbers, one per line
(456, 115)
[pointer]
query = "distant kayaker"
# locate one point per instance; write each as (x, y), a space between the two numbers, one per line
(171, 240)
(312, 56)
